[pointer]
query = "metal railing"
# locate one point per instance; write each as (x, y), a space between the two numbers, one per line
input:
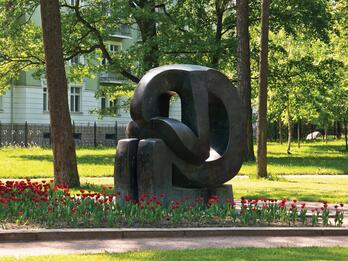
(108, 77)
(124, 30)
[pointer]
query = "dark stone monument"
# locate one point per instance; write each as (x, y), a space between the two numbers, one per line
(194, 157)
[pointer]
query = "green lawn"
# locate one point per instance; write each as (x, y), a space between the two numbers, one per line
(311, 158)
(331, 189)
(240, 254)
(37, 162)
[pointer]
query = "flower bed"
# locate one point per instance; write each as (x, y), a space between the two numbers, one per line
(48, 205)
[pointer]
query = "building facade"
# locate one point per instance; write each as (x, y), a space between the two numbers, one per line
(24, 112)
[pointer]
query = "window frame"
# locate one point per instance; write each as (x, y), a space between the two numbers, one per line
(77, 60)
(1, 103)
(74, 96)
(45, 107)
(104, 61)
(109, 103)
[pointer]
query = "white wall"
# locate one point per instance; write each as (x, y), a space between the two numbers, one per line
(175, 109)
(6, 108)
(28, 106)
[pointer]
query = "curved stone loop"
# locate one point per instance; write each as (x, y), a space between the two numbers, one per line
(150, 109)
(210, 139)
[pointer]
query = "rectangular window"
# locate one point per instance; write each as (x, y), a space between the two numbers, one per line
(114, 48)
(45, 99)
(113, 103)
(104, 60)
(77, 60)
(103, 103)
(73, 2)
(75, 99)
(106, 103)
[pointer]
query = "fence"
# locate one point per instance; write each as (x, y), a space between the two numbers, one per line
(90, 134)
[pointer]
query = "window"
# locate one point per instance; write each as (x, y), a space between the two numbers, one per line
(73, 2)
(77, 60)
(113, 103)
(109, 104)
(104, 61)
(75, 99)
(45, 99)
(45, 106)
(113, 49)
(1, 104)
(103, 103)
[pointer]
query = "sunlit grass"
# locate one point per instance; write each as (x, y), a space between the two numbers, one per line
(332, 189)
(311, 158)
(38, 162)
(240, 254)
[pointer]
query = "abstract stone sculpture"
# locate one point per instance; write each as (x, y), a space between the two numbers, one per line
(194, 157)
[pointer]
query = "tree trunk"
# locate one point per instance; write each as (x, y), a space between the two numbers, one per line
(339, 130)
(148, 31)
(299, 128)
(289, 130)
(215, 59)
(345, 132)
(280, 132)
(335, 129)
(325, 133)
(312, 131)
(244, 72)
(262, 99)
(65, 166)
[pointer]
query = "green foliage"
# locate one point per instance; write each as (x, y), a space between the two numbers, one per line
(308, 46)
(20, 40)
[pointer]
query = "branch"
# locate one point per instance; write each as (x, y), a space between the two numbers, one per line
(180, 52)
(78, 50)
(171, 18)
(100, 44)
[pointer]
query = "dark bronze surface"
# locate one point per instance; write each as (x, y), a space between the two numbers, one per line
(203, 150)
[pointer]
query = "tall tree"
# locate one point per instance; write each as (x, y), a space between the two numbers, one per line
(148, 31)
(244, 71)
(262, 98)
(65, 166)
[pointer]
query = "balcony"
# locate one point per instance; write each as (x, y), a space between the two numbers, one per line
(107, 77)
(124, 31)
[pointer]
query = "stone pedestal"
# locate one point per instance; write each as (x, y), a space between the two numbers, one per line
(149, 167)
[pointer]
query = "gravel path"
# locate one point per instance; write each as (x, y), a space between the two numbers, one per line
(125, 245)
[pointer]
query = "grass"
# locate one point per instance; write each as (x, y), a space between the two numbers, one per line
(330, 189)
(311, 158)
(37, 162)
(240, 254)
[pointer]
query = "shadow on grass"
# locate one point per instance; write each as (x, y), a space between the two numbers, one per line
(340, 148)
(338, 163)
(100, 159)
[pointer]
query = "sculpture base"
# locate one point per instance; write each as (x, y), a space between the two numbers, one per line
(149, 167)
(223, 192)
